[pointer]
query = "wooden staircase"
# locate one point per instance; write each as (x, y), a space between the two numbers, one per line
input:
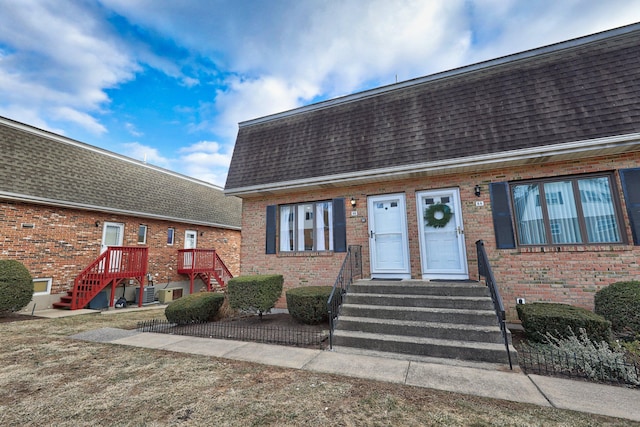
(422, 319)
(115, 264)
(205, 264)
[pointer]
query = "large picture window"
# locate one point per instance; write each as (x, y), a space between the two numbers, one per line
(306, 227)
(568, 210)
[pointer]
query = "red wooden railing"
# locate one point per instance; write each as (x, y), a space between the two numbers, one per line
(203, 263)
(113, 265)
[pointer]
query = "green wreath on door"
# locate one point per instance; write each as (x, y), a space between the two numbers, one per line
(433, 210)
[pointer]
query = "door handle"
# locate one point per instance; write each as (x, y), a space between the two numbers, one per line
(459, 230)
(372, 233)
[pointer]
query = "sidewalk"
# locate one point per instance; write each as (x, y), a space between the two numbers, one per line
(494, 383)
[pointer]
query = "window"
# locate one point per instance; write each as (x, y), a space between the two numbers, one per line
(306, 227)
(41, 286)
(170, 236)
(142, 234)
(570, 210)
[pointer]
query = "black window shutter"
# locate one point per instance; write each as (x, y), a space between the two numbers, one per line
(271, 229)
(501, 208)
(339, 226)
(631, 188)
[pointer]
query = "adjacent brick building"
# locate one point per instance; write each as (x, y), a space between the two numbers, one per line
(62, 202)
(536, 154)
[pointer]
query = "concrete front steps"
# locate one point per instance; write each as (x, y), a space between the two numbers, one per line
(450, 320)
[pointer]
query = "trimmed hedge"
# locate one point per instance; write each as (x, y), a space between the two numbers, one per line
(620, 304)
(561, 321)
(16, 286)
(254, 293)
(308, 304)
(195, 308)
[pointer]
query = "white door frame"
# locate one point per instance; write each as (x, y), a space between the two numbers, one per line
(188, 256)
(403, 268)
(454, 232)
(103, 244)
(116, 255)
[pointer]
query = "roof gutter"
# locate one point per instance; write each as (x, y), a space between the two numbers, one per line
(65, 204)
(629, 142)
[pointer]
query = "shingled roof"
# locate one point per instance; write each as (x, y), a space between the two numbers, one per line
(42, 167)
(581, 92)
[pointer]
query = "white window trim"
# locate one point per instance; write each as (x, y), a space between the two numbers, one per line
(48, 291)
(144, 240)
(173, 236)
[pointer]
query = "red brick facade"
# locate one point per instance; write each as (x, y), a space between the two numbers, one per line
(58, 243)
(566, 274)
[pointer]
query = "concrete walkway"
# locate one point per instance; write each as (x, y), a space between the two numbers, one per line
(494, 382)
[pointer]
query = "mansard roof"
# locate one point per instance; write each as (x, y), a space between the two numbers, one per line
(42, 167)
(570, 99)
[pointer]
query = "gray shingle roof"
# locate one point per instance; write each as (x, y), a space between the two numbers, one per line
(40, 166)
(583, 89)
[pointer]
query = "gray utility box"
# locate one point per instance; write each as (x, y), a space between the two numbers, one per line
(148, 295)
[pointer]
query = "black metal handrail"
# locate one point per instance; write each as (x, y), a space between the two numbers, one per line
(484, 270)
(351, 268)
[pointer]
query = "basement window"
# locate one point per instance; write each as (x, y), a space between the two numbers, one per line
(41, 286)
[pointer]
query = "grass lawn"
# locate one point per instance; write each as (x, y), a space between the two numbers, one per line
(48, 379)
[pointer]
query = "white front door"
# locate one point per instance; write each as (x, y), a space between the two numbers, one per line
(388, 243)
(112, 235)
(442, 248)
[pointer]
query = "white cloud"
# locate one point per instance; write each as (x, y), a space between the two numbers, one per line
(147, 154)
(57, 61)
(131, 128)
(204, 160)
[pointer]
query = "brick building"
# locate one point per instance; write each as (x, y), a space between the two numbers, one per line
(536, 154)
(62, 203)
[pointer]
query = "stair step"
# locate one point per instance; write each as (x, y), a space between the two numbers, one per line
(434, 301)
(419, 287)
(453, 349)
(461, 332)
(62, 305)
(421, 314)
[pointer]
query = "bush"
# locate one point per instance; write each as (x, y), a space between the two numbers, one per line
(309, 304)
(195, 308)
(620, 304)
(560, 320)
(16, 286)
(254, 293)
(597, 361)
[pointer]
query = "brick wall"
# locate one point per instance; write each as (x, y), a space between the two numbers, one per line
(58, 243)
(571, 274)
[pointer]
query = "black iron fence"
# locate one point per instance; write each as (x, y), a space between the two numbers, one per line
(351, 269)
(484, 270)
(299, 336)
(552, 362)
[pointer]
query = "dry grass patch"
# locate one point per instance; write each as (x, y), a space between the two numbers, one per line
(47, 378)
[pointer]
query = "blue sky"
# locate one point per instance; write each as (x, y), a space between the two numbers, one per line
(170, 80)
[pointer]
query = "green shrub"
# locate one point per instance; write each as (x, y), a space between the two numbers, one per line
(16, 286)
(309, 304)
(255, 293)
(560, 320)
(195, 308)
(620, 304)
